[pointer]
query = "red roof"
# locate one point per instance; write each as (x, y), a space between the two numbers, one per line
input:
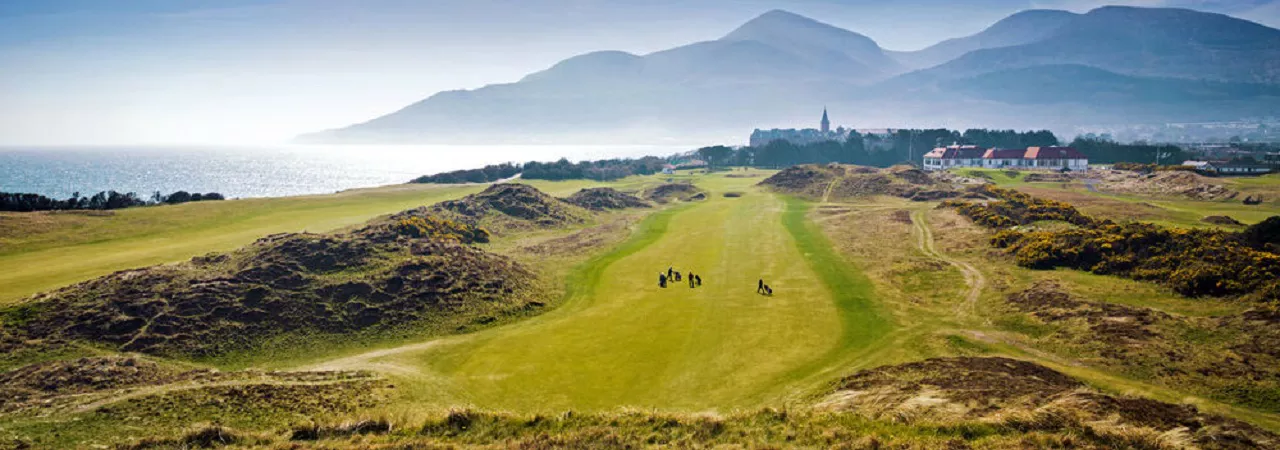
(956, 152)
(1004, 153)
(1053, 153)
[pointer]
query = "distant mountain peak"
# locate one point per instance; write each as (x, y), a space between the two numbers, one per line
(778, 21)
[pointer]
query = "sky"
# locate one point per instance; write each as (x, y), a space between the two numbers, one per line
(76, 72)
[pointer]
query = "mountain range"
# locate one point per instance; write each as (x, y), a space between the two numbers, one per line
(1036, 68)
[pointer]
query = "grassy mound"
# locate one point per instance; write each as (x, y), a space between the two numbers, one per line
(1174, 183)
(387, 275)
(836, 181)
(508, 206)
(599, 199)
(1233, 358)
(20, 388)
(1222, 220)
(1008, 391)
(672, 191)
(1197, 262)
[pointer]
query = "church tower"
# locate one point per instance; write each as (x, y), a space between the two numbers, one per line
(826, 124)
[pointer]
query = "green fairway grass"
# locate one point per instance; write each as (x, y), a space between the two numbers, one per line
(621, 341)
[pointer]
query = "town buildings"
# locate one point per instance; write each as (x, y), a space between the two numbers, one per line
(1235, 167)
(824, 133)
(1044, 158)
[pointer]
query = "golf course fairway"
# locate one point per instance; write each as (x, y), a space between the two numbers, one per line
(620, 340)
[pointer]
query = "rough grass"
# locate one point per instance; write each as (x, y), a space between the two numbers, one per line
(42, 251)
(765, 428)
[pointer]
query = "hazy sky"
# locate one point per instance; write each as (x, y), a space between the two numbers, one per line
(255, 71)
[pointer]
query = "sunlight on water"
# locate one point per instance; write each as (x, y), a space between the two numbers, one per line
(264, 171)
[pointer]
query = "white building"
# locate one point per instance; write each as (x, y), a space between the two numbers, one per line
(1045, 158)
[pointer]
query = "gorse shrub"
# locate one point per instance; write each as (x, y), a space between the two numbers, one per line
(1192, 262)
(437, 228)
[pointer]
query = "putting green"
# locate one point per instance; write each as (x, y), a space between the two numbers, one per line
(621, 341)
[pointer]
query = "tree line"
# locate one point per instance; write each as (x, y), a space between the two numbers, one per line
(877, 150)
(901, 146)
(1102, 150)
(563, 169)
(25, 202)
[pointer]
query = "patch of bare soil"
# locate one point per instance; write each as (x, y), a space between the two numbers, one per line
(1119, 327)
(24, 386)
(673, 191)
(1003, 390)
(1221, 220)
(600, 199)
(376, 278)
(1175, 183)
(509, 205)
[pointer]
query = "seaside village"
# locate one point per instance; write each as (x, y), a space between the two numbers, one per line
(1030, 158)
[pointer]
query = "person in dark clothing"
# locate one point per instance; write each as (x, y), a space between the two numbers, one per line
(662, 280)
(768, 290)
(668, 272)
(760, 286)
(699, 278)
(691, 275)
(677, 276)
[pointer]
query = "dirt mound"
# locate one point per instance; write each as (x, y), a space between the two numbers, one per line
(1047, 177)
(600, 199)
(287, 284)
(1221, 220)
(990, 382)
(911, 175)
(810, 180)
(834, 181)
(672, 191)
(1003, 390)
(1174, 183)
(510, 205)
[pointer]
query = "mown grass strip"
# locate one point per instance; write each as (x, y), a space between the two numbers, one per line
(862, 320)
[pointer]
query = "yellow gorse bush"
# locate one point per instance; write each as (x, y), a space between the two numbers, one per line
(1194, 262)
(436, 228)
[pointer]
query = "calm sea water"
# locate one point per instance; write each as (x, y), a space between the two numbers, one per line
(267, 171)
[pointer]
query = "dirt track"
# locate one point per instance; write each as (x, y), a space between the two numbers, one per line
(972, 277)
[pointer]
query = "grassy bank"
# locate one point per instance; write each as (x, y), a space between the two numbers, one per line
(43, 251)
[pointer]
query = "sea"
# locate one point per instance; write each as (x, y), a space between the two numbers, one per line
(265, 171)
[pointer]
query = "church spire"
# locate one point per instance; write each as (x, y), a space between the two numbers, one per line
(826, 124)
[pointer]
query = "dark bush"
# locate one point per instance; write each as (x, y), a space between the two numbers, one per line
(1192, 262)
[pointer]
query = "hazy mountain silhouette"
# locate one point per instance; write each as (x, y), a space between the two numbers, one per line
(1034, 68)
(1021, 28)
(1160, 42)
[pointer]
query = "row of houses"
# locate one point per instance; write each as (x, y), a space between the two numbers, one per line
(1231, 167)
(1046, 158)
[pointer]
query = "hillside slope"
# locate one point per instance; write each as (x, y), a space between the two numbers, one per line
(1018, 29)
